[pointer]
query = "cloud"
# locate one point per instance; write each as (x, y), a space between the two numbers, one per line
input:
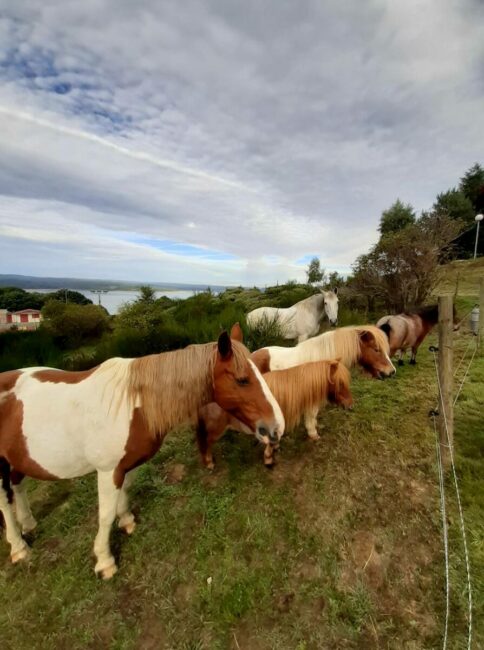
(213, 142)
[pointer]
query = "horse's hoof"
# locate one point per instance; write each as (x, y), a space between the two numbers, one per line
(29, 526)
(108, 572)
(400, 362)
(129, 528)
(23, 554)
(269, 465)
(127, 523)
(314, 436)
(412, 362)
(210, 466)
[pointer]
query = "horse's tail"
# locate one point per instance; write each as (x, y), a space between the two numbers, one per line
(387, 328)
(5, 476)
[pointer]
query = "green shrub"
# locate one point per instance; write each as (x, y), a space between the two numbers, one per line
(71, 324)
(26, 349)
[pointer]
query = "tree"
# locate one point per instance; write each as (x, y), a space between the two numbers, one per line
(472, 183)
(455, 205)
(147, 295)
(314, 271)
(397, 217)
(334, 279)
(401, 269)
(66, 295)
(14, 299)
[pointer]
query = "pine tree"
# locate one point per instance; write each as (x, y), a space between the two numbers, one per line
(396, 218)
(314, 272)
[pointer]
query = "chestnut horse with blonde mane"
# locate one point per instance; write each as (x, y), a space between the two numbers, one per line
(300, 390)
(56, 424)
(365, 345)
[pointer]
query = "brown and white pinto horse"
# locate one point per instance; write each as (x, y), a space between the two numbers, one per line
(301, 390)
(56, 424)
(365, 345)
(408, 330)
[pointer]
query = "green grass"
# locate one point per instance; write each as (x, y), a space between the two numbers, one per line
(339, 546)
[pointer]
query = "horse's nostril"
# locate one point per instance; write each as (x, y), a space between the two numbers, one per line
(274, 436)
(262, 431)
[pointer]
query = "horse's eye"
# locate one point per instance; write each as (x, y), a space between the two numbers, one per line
(242, 381)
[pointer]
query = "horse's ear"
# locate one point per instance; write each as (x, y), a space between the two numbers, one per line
(366, 336)
(224, 346)
(335, 291)
(236, 333)
(333, 367)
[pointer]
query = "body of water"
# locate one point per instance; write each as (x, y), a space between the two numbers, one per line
(112, 300)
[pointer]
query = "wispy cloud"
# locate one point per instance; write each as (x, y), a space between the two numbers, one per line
(226, 143)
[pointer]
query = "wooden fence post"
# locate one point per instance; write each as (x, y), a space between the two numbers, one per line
(480, 335)
(446, 343)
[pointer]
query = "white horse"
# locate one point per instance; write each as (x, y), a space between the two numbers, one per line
(302, 320)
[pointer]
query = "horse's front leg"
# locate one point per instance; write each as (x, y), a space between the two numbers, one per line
(207, 436)
(108, 495)
(126, 517)
(22, 507)
(18, 547)
(310, 422)
(269, 455)
(401, 354)
(413, 358)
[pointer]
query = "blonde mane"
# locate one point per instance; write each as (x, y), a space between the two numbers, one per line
(343, 343)
(303, 387)
(170, 387)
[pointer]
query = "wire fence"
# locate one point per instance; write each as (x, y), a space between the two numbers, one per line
(441, 476)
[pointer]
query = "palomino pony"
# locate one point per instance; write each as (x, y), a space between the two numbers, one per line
(56, 424)
(299, 390)
(303, 319)
(408, 330)
(365, 345)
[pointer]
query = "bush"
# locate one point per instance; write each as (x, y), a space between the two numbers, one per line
(26, 349)
(72, 324)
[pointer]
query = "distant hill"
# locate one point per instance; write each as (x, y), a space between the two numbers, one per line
(33, 282)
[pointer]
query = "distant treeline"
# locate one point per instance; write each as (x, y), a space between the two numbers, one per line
(14, 299)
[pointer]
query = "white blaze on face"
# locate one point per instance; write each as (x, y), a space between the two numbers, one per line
(331, 305)
(390, 362)
(278, 416)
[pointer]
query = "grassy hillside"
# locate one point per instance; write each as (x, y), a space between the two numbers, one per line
(465, 274)
(339, 546)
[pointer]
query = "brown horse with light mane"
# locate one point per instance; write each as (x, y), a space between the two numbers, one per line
(299, 391)
(409, 329)
(365, 345)
(56, 424)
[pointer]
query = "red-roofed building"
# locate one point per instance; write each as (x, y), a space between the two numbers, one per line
(25, 319)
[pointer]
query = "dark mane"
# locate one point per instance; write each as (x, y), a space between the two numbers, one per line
(429, 313)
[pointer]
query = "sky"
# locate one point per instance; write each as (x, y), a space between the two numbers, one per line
(227, 143)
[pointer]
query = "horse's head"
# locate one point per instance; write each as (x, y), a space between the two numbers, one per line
(331, 305)
(375, 353)
(339, 378)
(240, 389)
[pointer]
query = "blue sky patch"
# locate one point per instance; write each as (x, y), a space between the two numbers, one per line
(179, 248)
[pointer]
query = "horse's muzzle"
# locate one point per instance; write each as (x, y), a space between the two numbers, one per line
(266, 434)
(386, 375)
